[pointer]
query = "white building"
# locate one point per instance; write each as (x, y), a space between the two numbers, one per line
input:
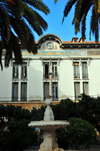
(63, 69)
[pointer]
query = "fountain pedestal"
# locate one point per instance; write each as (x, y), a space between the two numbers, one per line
(48, 128)
(48, 143)
(49, 125)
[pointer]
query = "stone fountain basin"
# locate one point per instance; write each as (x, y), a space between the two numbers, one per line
(47, 125)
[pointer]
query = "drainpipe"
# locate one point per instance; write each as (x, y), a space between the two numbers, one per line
(51, 85)
(50, 73)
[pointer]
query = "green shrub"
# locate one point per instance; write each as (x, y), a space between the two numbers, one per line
(17, 137)
(37, 114)
(79, 132)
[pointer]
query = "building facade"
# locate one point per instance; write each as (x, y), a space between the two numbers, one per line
(63, 69)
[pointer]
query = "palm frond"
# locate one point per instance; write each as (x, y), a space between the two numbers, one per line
(13, 46)
(6, 21)
(68, 7)
(21, 29)
(35, 20)
(35, 26)
(13, 14)
(81, 11)
(56, 1)
(39, 5)
(94, 23)
(31, 45)
(19, 6)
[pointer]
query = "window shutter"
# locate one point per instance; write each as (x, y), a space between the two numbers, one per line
(77, 90)
(85, 88)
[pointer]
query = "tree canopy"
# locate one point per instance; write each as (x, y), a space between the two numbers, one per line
(82, 7)
(16, 16)
(15, 135)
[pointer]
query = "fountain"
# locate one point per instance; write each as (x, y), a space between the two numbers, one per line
(48, 125)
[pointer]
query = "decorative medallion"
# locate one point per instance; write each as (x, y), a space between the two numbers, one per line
(49, 45)
(82, 53)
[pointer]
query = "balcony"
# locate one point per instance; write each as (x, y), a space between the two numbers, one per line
(46, 76)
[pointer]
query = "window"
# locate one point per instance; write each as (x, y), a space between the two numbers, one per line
(24, 70)
(15, 91)
(54, 91)
(76, 70)
(46, 89)
(54, 69)
(85, 88)
(46, 70)
(77, 90)
(15, 71)
(84, 70)
(23, 91)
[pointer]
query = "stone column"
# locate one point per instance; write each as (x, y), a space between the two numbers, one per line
(48, 143)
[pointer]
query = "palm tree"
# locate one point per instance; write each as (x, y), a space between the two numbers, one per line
(82, 8)
(15, 17)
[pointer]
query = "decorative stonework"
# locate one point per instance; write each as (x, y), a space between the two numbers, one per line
(48, 115)
(49, 45)
(61, 53)
(93, 53)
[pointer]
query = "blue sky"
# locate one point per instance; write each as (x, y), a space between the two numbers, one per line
(54, 19)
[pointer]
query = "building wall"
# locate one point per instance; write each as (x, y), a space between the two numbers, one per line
(66, 83)
(5, 84)
(35, 80)
(65, 59)
(94, 87)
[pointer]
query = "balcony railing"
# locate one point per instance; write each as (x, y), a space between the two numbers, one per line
(46, 76)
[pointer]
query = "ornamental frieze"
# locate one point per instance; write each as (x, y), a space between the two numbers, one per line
(93, 53)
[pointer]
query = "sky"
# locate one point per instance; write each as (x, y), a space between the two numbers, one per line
(54, 19)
